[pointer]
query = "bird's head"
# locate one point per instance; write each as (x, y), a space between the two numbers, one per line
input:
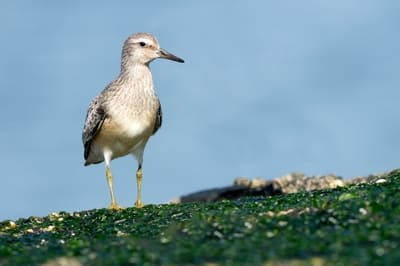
(142, 48)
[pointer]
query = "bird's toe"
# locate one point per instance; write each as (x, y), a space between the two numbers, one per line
(114, 206)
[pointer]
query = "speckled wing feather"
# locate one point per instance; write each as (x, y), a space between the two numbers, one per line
(158, 123)
(94, 120)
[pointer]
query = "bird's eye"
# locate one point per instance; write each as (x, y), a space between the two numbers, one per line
(143, 44)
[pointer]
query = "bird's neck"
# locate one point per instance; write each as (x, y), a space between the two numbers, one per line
(138, 75)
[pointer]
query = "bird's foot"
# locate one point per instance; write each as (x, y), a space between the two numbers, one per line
(115, 206)
(139, 204)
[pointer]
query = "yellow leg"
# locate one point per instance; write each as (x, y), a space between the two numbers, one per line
(139, 203)
(113, 205)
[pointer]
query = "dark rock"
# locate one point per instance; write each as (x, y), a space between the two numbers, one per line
(231, 192)
(290, 183)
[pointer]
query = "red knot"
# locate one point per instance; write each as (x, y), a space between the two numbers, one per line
(122, 118)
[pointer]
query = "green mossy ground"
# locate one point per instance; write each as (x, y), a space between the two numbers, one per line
(355, 225)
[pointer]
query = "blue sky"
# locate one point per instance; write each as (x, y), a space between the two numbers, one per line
(267, 88)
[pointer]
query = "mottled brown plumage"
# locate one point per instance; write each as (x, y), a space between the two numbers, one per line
(121, 119)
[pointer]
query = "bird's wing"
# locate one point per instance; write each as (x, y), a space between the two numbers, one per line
(158, 122)
(94, 119)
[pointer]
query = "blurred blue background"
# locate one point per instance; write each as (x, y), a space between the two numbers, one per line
(267, 88)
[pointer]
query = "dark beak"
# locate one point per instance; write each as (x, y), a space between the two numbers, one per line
(169, 56)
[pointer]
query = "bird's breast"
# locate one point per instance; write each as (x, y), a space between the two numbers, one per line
(130, 120)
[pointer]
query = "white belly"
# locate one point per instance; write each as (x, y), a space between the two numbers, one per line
(122, 137)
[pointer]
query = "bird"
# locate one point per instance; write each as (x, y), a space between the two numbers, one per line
(122, 118)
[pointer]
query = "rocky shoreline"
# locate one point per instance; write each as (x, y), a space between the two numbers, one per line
(291, 183)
